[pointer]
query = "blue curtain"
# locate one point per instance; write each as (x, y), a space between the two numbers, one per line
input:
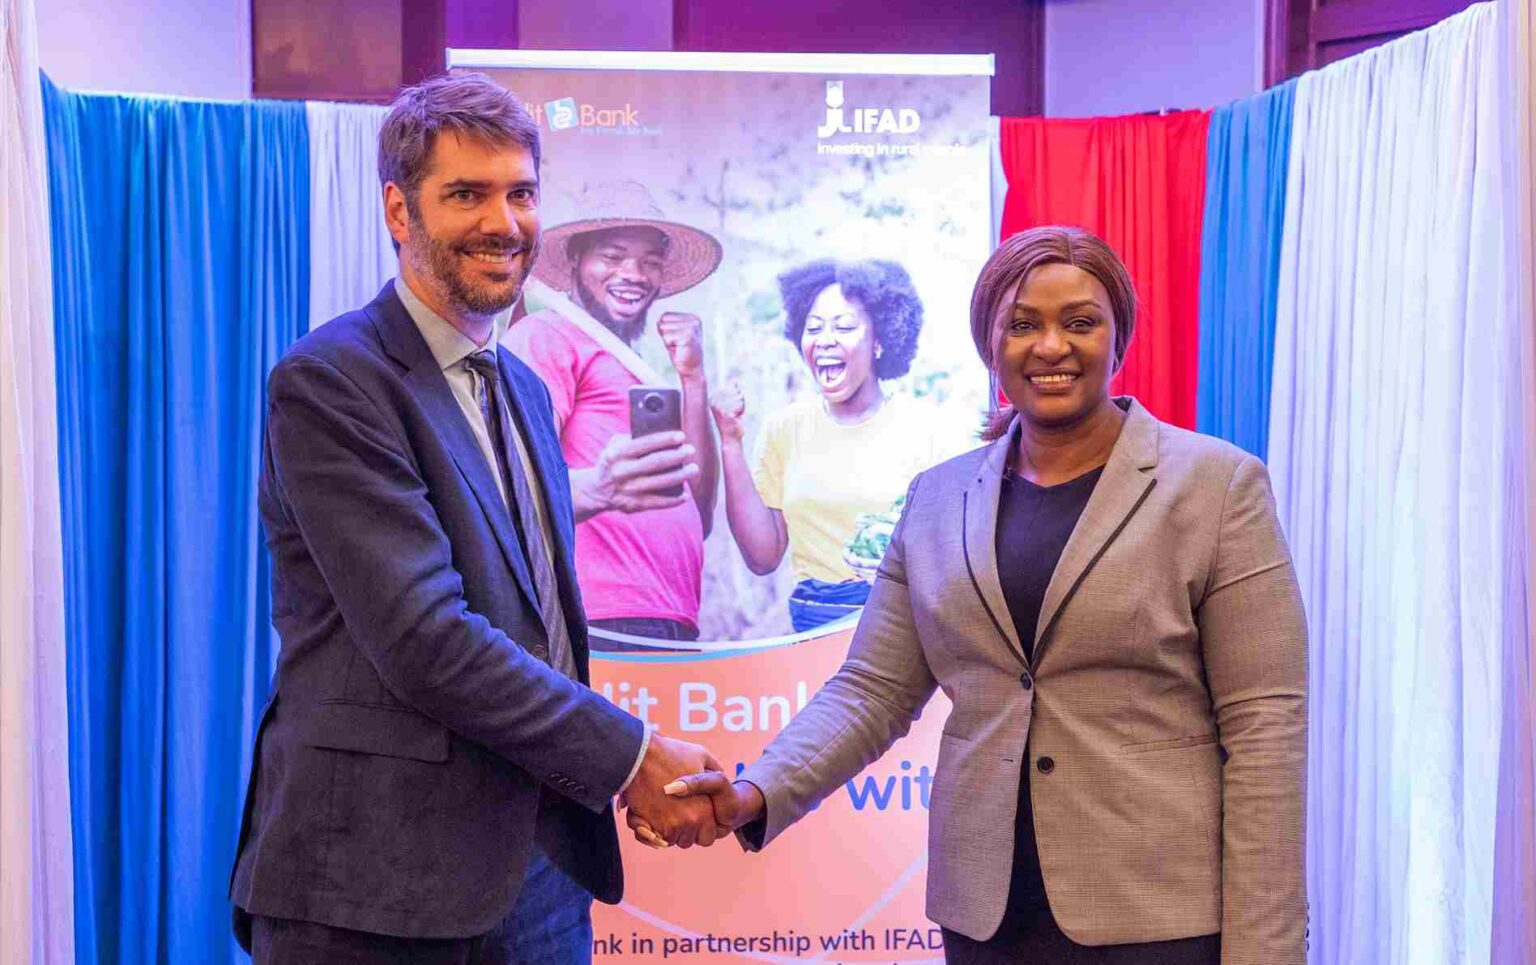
(1248, 152)
(180, 236)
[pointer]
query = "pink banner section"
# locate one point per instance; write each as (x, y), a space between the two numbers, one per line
(844, 885)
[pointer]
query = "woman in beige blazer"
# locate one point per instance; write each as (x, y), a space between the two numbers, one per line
(1110, 606)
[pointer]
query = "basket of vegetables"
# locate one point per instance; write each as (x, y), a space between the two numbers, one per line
(871, 536)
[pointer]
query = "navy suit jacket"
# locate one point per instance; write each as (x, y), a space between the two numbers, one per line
(417, 742)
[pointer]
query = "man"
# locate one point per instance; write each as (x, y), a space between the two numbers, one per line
(433, 779)
(639, 551)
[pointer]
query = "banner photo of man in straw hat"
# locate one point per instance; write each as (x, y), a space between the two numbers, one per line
(639, 549)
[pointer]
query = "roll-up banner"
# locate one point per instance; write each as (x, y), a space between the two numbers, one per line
(776, 251)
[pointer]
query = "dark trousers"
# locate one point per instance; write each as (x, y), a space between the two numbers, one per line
(816, 603)
(1038, 939)
(551, 924)
(654, 628)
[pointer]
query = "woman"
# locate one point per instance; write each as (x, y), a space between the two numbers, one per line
(822, 462)
(1110, 605)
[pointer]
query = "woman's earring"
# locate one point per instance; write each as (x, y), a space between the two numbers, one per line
(879, 351)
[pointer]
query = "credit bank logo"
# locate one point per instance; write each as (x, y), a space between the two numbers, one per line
(562, 113)
(864, 120)
(568, 113)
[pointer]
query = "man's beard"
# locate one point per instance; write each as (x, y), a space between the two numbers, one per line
(628, 329)
(444, 266)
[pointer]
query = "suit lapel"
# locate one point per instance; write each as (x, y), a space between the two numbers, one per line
(403, 341)
(1120, 492)
(979, 509)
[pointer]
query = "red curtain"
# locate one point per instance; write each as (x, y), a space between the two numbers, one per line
(1139, 183)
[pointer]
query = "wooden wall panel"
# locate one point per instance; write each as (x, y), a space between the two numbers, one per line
(1301, 35)
(346, 50)
(365, 50)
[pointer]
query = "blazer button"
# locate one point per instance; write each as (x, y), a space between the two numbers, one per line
(540, 651)
(1045, 765)
(1026, 682)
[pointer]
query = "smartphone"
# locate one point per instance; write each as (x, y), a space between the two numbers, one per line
(656, 409)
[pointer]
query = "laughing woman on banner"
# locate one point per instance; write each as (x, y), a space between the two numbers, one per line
(1109, 603)
(824, 465)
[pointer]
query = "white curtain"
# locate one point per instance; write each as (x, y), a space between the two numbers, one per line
(1396, 451)
(997, 175)
(350, 255)
(36, 877)
(1514, 910)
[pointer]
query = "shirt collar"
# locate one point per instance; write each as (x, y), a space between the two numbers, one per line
(448, 345)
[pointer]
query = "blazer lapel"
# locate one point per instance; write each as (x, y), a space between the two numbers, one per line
(1120, 492)
(403, 341)
(979, 509)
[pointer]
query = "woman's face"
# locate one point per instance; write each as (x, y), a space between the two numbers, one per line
(1055, 345)
(839, 346)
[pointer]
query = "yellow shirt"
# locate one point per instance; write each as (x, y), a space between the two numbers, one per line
(821, 474)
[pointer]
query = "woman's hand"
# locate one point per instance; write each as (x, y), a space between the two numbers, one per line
(735, 805)
(729, 406)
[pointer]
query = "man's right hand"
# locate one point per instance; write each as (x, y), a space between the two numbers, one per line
(631, 473)
(735, 804)
(680, 821)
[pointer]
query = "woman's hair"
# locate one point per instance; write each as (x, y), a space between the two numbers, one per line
(882, 288)
(1013, 261)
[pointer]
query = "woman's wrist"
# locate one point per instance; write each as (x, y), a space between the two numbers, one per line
(750, 800)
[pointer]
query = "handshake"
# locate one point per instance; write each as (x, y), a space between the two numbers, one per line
(680, 797)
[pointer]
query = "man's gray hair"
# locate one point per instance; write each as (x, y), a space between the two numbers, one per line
(468, 105)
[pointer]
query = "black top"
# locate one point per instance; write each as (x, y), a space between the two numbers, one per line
(1034, 524)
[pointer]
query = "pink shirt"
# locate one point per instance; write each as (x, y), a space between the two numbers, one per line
(628, 564)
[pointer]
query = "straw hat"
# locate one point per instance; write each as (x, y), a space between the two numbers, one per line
(692, 255)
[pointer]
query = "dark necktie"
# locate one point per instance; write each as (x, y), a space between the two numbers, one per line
(535, 538)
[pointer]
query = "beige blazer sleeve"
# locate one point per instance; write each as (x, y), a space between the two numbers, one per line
(1254, 635)
(865, 707)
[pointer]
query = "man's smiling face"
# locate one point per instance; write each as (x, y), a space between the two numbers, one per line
(618, 275)
(472, 230)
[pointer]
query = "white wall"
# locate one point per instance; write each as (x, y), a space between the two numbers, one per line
(1105, 57)
(191, 48)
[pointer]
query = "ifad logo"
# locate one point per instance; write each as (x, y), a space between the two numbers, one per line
(865, 120)
(562, 113)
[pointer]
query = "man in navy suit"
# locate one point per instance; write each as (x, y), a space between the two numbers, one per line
(433, 779)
